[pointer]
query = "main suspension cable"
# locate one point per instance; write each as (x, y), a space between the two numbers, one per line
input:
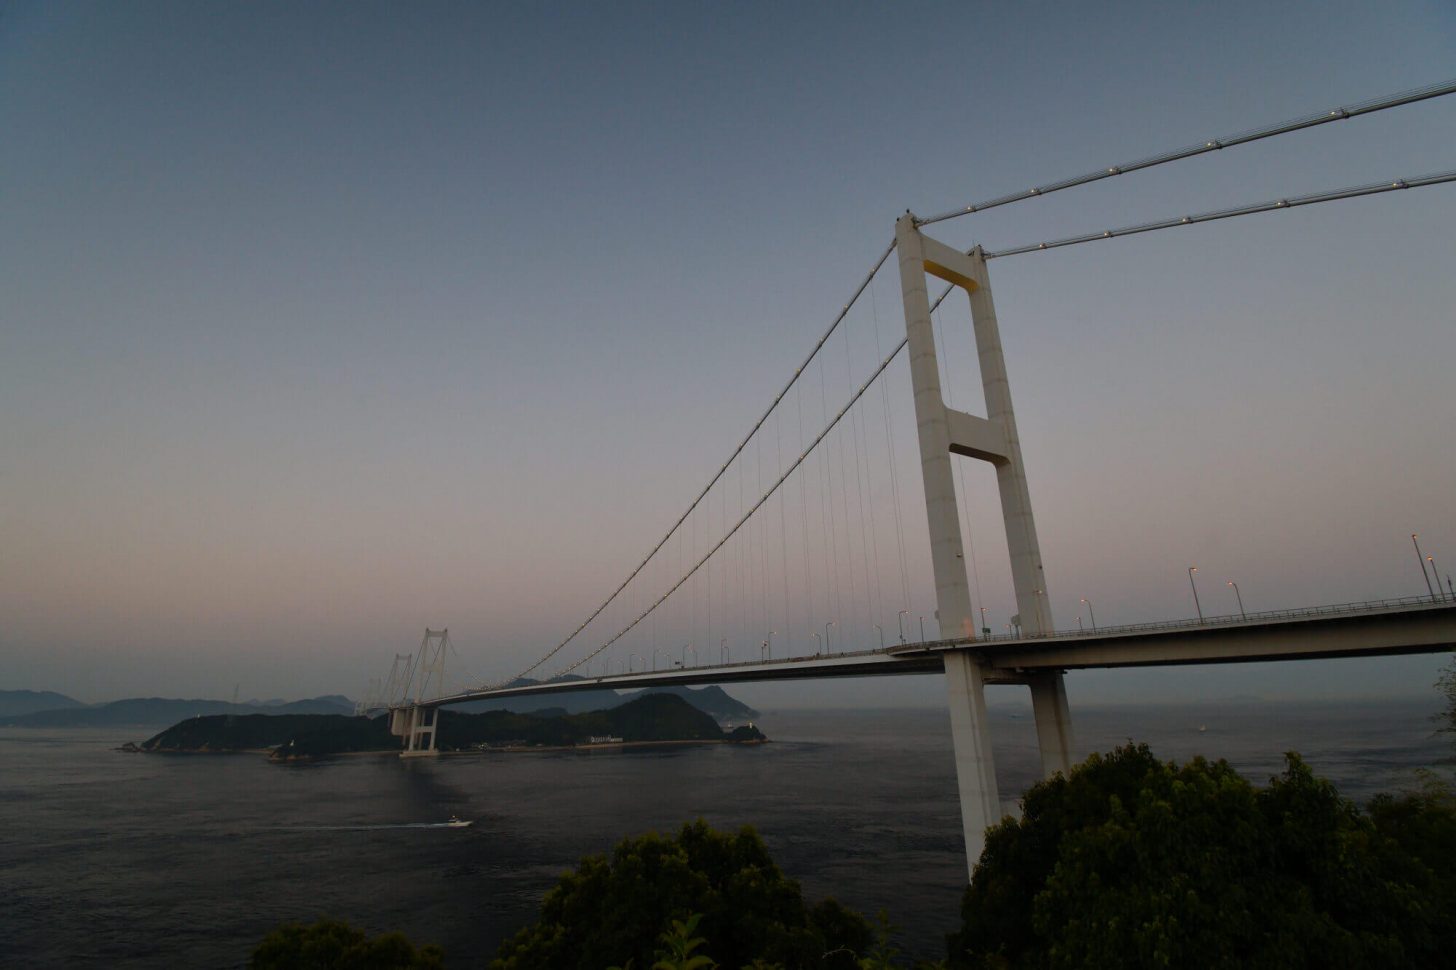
(1211, 145)
(1292, 202)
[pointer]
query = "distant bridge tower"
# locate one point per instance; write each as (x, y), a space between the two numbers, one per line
(413, 720)
(370, 701)
(943, 432)
(392, 694)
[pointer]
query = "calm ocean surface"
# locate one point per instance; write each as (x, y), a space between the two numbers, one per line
(187, 861)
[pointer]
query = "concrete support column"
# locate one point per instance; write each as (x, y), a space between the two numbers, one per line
(1053, 721)
(1027, 576)
(419, 741)
(952, 591)
(970, 731)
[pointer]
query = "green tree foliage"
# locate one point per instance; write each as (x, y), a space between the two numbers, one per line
(334, 945)
(884, 955)
(1422, 827)
(1132, 862)
(612, 910)
(678, 944)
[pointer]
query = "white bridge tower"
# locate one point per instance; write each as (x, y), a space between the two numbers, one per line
(943, 432)
(413, 720)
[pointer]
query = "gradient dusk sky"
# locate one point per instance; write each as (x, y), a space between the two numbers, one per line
(321, 323)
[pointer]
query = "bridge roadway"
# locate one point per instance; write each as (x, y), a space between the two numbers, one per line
(1383, 628)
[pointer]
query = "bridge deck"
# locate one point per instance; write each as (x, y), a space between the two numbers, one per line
(1388, 627)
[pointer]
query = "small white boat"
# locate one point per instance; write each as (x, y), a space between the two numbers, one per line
(456, 822)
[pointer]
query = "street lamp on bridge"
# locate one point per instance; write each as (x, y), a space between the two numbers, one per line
(1422, 560)
(1240, 598)
(723, 650)
(827, 648)
(1432, 561)
(900, 618)
(1090, 614)
(1196, 605)
(882, 636)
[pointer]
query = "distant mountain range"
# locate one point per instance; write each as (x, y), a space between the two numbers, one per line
(149, 710)
(47, 709)
(14, 702)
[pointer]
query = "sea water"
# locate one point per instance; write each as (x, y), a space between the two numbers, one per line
(129, 860)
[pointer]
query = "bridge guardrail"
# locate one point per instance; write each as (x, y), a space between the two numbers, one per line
(1222, 620)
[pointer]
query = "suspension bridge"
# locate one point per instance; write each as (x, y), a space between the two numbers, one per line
(797, 559)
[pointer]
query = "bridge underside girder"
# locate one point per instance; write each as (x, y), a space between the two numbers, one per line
(1429, 629)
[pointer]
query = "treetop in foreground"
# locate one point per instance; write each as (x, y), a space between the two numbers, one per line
(335, 945)
(612, 909)
(1134, 862)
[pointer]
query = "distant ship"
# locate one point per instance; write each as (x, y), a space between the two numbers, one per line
(456, 822)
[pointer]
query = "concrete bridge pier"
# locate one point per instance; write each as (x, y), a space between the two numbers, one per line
(416, 724)
(1053, 721)
(970, 732)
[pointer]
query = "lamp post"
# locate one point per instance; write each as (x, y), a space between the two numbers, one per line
(1079, 622)
(1432, 561)
(828, 648)
(1422, 560)
(900, 618)
(922, 629)
(985, 630)
(1240, 598)
(882, 636)
(654, 657)
(818, 647)
(1196, 605)
(723, 650)
(1090, 613)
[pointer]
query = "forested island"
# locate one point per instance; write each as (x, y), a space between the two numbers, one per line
(652, 718)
